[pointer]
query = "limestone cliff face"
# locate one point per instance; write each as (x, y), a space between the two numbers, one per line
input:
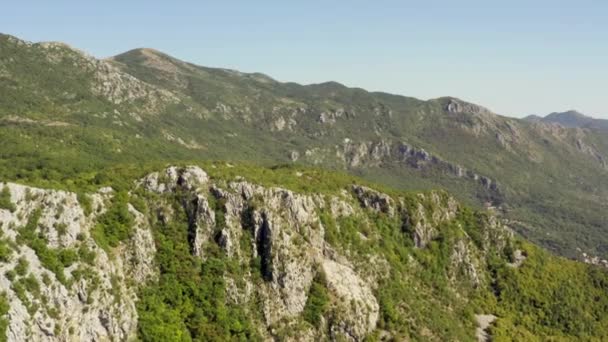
(377, 153)
(279, 230)
(85, 301)
(284, 231)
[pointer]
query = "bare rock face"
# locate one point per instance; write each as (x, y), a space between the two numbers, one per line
(457, 106)
(356, 154)
(89, 299)
(370, 198)
(354, 295)
(138, 253)
(422, 222)
(283, 231)
(464, 263)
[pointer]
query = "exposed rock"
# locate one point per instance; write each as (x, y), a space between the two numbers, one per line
(518, 258)
(483, 322)
(423, 224)
(279, 229)
(331, 116)
(294, 156)
(288, 237)
(458, 106)
(90, 309)
(594, 260)
(355, 299)
(463, 263)
(373, 199)
(375, 154)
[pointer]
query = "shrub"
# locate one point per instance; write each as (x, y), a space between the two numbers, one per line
(4, 307)
(32, 285)
(318, 300)
(85, 203)
(5, 251)
(61, 229)
(115, 225)
(52, 259)
(22, 266)
(5, 199)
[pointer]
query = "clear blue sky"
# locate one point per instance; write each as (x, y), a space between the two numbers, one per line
(515, 57)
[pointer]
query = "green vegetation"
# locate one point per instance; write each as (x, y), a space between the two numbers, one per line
(59, 131)
(86, 255)
(115, 224)
(317, 302)
(32, 286)
(189, 301)
(85, 202)
(551, 298)
(5, 199)
(4, 307)
(5, 250)
(22, 266)
(52, 259)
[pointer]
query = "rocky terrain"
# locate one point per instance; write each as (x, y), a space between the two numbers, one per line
(93, 298)
(59, 283)
(116, 223)
(304, 266)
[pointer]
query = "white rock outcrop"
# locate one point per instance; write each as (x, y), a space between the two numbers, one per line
(92, 302)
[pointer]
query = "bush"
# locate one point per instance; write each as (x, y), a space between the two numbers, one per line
(115, 225)
(5, 251)
(52, 259)
(32, 285)
(22, 266)
(5, 199)
(318, 300)
(4, 307)
(85, 203)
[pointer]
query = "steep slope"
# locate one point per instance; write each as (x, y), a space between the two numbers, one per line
(181, 255)
(143, 105)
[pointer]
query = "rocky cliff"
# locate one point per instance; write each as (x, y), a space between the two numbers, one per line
(63, 282)
(59, 283)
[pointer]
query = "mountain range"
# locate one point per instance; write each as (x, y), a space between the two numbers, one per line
(147, 198)
(64, 113)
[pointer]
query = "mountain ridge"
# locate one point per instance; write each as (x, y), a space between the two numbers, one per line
(147, 198)
(572, 119)
(183, 111)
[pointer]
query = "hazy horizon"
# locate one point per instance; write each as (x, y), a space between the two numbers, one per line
(516, 59)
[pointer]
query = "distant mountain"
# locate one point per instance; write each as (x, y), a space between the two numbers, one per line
(533, 118)
(65, 115)
(571, 119)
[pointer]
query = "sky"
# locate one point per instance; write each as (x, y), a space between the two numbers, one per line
(514, 57)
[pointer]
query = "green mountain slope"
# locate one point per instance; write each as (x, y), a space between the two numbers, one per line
(64, 114)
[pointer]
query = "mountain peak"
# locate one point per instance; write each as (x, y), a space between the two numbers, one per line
(140, 54)
(143, 51)
(455, 105)
(569, 113)
(571, 118)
